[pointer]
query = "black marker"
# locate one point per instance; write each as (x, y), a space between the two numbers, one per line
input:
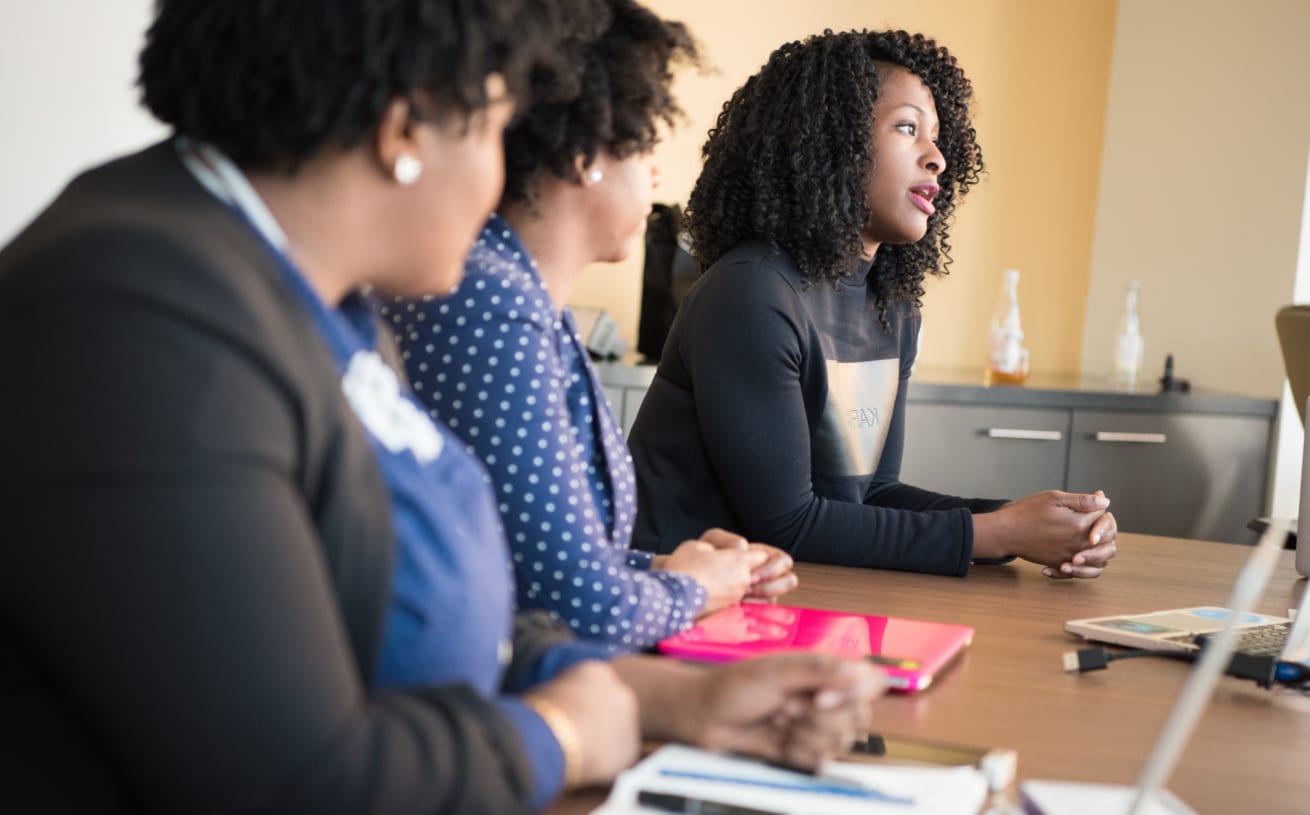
(695, 806)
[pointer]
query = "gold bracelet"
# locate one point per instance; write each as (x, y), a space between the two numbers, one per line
(561, 726)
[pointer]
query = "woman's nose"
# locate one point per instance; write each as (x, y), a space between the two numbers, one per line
(933, 159)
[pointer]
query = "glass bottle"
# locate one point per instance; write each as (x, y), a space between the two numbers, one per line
(1128, 346)
(1007, 359)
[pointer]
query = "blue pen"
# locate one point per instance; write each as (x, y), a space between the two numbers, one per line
(815, 785)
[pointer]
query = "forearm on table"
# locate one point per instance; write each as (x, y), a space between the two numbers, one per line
(668, 695)
(899, 495)
(850, 534)
(993, 536)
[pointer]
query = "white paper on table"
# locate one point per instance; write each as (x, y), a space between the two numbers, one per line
(907, 790)
(1087, 798)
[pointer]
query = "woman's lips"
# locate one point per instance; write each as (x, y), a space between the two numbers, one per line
(922, 197)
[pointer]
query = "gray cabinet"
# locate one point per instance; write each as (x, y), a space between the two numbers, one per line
(1184, 475)
(984, 451)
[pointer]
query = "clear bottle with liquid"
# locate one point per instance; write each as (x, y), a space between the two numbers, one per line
(1127, 361)
(1007, 358)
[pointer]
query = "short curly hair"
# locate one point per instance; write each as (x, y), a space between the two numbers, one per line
(788, 160)
(273, 82)
(607, 91)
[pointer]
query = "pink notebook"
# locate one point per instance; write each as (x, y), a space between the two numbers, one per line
(912, 652)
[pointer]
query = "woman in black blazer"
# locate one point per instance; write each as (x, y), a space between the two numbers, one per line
(205, 545)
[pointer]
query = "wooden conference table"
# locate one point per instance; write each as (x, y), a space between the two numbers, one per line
(1250, 753)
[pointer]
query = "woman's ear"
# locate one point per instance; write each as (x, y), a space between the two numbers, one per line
(585, 173)
(397, 146)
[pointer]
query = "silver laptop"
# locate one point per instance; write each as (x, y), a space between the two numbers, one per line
(1184, 630)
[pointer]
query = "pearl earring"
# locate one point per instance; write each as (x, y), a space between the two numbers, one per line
(595, 176)
(407, 169)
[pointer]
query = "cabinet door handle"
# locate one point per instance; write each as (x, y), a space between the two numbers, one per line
(1028, 435)
(1131, 438)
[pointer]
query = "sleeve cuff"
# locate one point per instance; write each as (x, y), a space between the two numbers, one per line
(979, 506)
(688, 597)
(544, 753)
(562, 657)
(557, 659)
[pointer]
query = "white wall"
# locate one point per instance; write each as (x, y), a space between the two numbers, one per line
(1204, 198)
(67, 69)
(1202, 186)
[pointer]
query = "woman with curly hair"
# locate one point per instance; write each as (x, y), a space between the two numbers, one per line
(242, 569)
(579, 179)
(778, 408)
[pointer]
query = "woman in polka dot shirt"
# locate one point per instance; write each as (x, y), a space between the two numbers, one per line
(501, 363)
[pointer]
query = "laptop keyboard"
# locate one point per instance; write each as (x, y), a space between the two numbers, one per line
(1260, 640)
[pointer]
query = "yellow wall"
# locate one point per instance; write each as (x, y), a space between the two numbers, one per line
(1040, 72)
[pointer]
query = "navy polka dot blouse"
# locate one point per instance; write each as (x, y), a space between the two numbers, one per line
(510, 376)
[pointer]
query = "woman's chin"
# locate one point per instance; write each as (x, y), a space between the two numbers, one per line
(628, 248)
(430, 283)
(440, 285)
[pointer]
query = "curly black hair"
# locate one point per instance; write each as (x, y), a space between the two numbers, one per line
(273, 82)
(788, 160)
(607, 91)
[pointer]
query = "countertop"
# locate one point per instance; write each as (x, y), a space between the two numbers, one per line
(1044, 390)
(967, 386)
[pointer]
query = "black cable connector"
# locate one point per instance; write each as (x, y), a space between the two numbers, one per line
(1086, 659)
(1096, 657)
(1259, 669)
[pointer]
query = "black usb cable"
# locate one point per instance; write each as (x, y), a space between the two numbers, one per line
(1265, 671)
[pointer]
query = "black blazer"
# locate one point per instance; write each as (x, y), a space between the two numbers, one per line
(196, 555)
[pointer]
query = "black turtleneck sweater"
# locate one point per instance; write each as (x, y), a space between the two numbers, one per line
(778, 411)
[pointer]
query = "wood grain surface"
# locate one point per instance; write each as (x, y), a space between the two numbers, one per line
(1249, 754)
